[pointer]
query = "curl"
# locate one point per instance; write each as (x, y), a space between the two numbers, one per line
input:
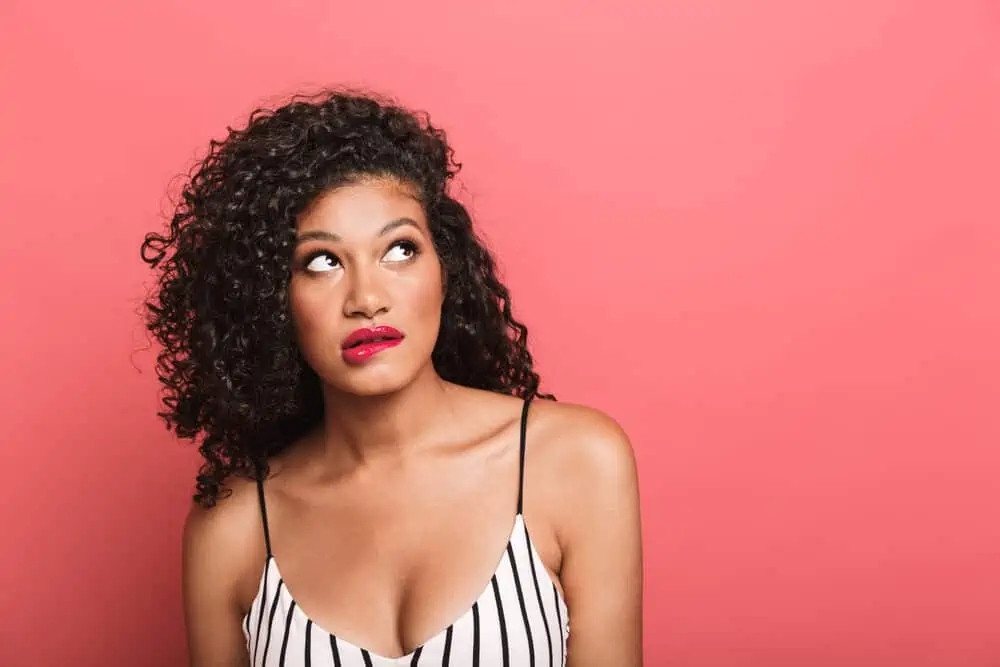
(230, 369)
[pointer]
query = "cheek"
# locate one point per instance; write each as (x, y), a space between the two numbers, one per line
(417, 301)
(310, 310)
(428, 296)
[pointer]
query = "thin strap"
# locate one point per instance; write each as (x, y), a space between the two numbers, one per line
(263, 516)
(524, 431)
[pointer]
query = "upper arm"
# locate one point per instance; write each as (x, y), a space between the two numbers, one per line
(601, 571)
(212, 568)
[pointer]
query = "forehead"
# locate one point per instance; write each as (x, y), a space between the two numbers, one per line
(361, 209)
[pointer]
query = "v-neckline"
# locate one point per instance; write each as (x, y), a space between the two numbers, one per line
(296, 608)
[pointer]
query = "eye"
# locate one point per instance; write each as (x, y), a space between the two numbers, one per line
(321, 262)
(402, 251)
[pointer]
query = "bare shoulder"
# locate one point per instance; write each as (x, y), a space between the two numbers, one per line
(587, 445)
(230, 519)
(224, 544)
(586, 464)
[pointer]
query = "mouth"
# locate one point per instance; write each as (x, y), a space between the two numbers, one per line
(371, 335)
(364, 344)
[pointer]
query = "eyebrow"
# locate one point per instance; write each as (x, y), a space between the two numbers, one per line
(321, 235)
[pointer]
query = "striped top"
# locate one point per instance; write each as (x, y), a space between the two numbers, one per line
(519, 619)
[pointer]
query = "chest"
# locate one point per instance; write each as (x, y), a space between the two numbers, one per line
(518, 618)
(391, 566)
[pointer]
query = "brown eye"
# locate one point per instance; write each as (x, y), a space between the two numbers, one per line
(321, 262)
(401, 251)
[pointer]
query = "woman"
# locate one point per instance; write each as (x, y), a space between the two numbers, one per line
(336, 335)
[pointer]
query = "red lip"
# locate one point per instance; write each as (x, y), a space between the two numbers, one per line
(364, 344)
(370, 335)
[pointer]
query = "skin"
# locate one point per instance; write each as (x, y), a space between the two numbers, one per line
(371, 515)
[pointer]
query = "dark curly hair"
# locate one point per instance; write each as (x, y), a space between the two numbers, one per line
(229, 364)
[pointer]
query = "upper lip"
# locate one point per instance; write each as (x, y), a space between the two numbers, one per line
(369, 334)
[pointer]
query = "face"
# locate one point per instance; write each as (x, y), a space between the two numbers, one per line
(364, 258)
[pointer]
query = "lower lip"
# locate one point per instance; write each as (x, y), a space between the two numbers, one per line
(361, 353)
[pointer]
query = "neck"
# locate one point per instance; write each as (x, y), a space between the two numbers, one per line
(361, 430)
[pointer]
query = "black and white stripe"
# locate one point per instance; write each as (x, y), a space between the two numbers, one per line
(517, 621)
(507, 626)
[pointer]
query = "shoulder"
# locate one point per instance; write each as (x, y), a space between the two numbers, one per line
(229, 519)
(580, 440)
(586, 460)
(223, 545)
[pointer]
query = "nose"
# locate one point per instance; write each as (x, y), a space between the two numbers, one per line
(366, 295)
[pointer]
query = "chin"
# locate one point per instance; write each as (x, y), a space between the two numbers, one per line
(372, 389)
(373, 381)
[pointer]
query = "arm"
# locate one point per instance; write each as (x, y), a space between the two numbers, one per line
(602, 545)
(211, 568)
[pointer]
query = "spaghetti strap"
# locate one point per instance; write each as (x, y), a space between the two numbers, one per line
(263, 516)
(524, 431)
(514, 622)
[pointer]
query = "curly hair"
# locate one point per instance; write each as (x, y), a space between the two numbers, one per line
(229, 365)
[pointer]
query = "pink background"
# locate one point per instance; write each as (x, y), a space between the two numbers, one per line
(763, 235)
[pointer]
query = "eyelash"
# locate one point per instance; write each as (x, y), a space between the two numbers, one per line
(404, 243)
(407, 244)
